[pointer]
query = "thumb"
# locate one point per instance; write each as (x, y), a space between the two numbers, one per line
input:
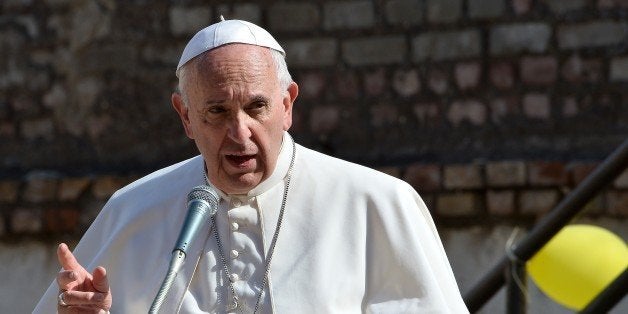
(100, 281)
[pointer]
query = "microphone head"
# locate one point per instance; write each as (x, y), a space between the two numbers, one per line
(205, 193)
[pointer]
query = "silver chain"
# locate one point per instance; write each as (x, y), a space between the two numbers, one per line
(271, 250)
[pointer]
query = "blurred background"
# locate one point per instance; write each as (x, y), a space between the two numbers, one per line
(494, 110)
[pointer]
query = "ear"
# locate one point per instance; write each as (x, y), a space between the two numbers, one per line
(183, 111)
(288, 102)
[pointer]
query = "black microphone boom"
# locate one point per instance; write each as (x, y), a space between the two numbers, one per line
(202, 204)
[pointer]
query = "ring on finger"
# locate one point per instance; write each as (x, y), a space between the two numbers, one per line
(60, 300)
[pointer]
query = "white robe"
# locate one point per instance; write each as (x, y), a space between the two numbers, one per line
(352, 240)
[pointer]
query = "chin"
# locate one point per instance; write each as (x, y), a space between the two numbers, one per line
(244, 183)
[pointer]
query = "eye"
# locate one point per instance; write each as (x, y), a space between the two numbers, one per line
(216, 109)
(257, 105)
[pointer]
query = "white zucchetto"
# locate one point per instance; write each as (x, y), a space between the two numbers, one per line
(227, 32)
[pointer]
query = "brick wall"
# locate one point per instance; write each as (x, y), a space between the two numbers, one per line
(52, 206)
(492, 109)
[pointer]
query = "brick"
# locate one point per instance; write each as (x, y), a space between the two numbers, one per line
(538, 202)
(105, 186)
(188, 20)
(311, 84)
(579, 171)
(430, 201)
(503, 108)
(427, 113)
(517, 38)
(42, 128)
(596, 206)
(570, 107)
(444, 11)
(463, 177)
(509, 173)
(242, 11)
(375, 82)
(564, 6)
(311, 52)
(391, 171)
(438, 81)
(500, 203)
(471, 111)
(40, 187)
(467, 75)
(621, 181)
(7, 129)
(457, 204)
(618, 203)
(406, 82)
(72, 188)
(440, 46)
(383, 115)
(26, 220)
(161, 54)
(539, 70)
(578, 70)
(619, 69)
(347, 85)
(293, 16)
(91, 21)
(521, 7)
(610, 4)
(348, 15)
(425, 178)
(547, 173)
(485, 9)
(25, 105)
(591, 34)
(375, 50)
(537, 106)
(502, 75)
(59, 220)
(404, 12)
(9, 190)
(324, 119)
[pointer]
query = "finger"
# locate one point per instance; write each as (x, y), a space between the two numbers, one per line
(100, 281)
(84, 298)
(67, 259)
(67, 279)
(79, 310)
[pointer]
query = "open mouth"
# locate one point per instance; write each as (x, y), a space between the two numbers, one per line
(239, 160)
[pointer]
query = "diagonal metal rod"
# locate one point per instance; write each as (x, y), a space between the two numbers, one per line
(610, 296)
(555, 220)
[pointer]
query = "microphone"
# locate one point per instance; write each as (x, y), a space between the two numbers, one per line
(202, 204)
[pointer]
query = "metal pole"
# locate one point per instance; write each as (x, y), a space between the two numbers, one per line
(611, 295)
(569, 207)
(516, 291)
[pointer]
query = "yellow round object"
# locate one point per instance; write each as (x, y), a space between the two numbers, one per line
(577, 264)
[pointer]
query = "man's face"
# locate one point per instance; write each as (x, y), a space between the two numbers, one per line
(236, 114)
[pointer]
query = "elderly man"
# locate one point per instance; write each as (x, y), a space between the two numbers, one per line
(296, 231)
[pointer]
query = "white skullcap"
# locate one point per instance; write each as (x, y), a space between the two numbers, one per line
(227, 32)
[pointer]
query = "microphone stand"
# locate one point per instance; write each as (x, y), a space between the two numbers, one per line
(176, 262)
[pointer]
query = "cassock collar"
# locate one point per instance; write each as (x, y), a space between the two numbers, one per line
(280, 172)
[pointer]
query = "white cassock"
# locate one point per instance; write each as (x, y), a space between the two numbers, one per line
(352, 240)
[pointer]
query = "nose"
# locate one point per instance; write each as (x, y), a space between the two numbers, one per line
(239, 129)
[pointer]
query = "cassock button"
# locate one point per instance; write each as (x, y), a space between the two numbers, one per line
(235, 226)
(234, 254)
(234, 277)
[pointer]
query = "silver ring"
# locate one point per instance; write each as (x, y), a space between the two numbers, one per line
(60, 300)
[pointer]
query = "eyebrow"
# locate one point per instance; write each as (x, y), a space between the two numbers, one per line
(253, 99)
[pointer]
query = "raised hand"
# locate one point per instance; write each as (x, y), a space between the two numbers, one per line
(79, 290)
